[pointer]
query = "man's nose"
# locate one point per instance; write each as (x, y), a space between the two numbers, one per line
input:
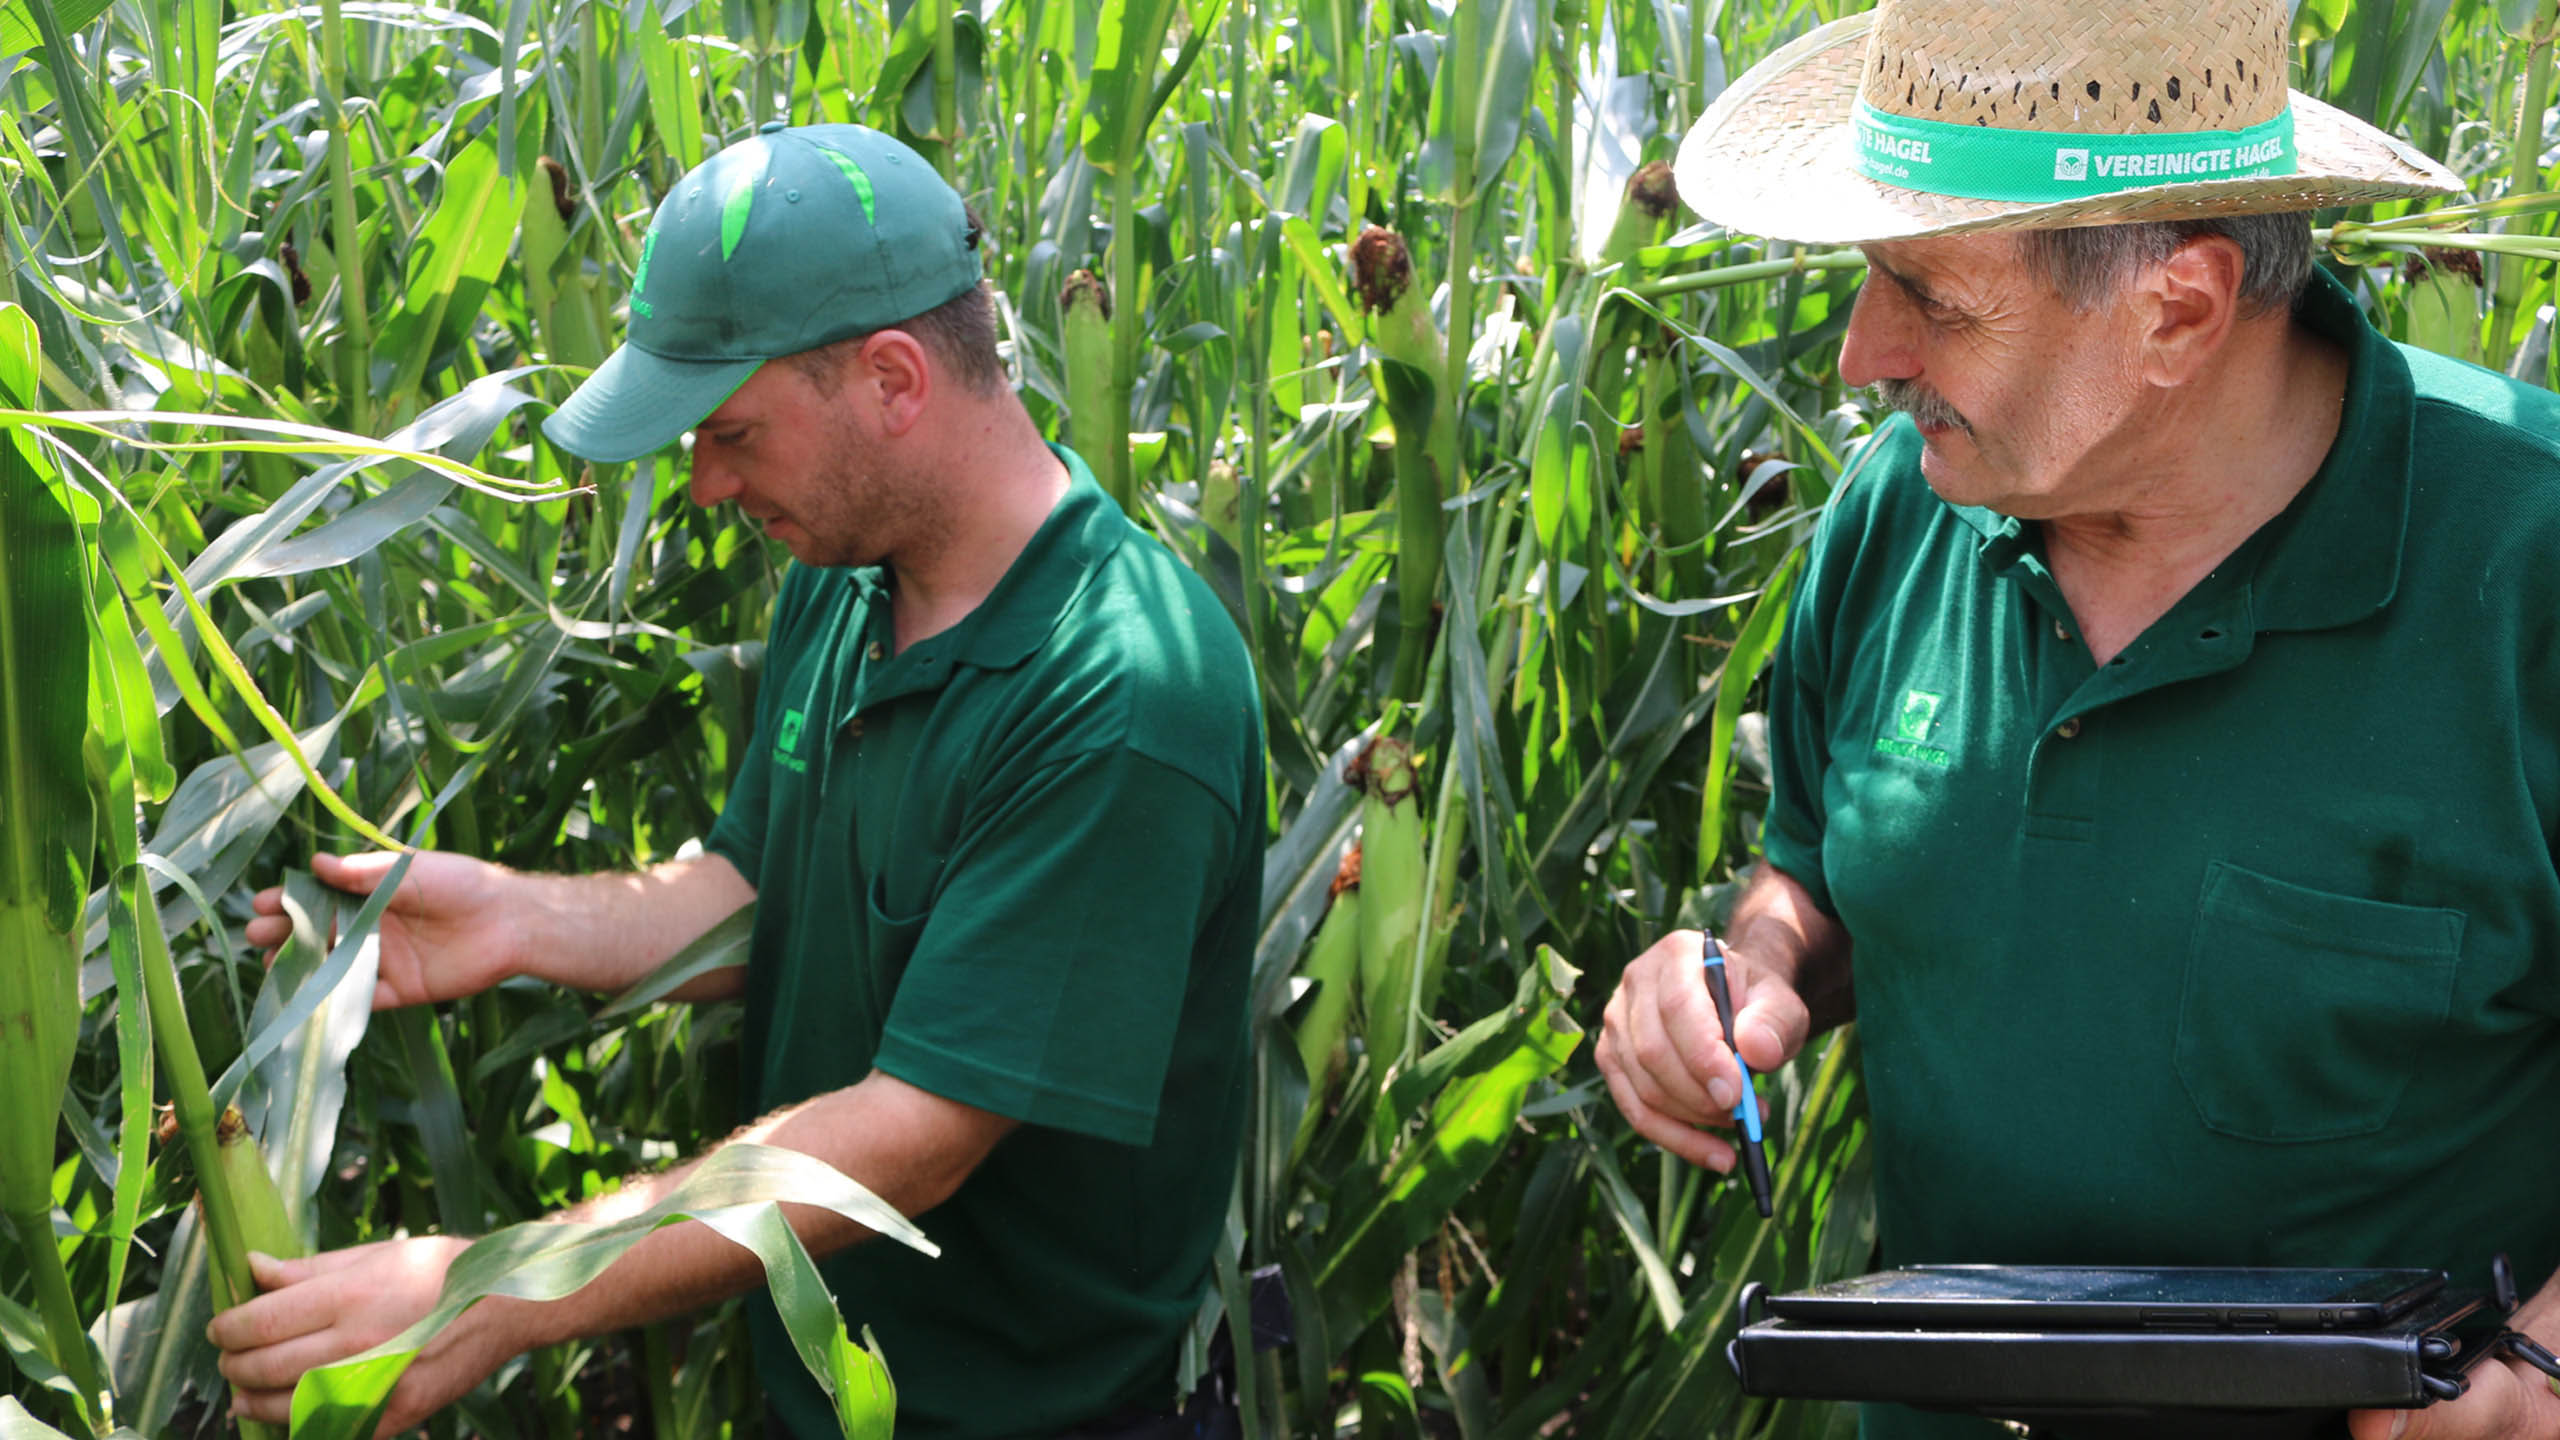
(1878, 343)
(711, 481)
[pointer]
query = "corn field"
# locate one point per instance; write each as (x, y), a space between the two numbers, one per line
(1381, 313)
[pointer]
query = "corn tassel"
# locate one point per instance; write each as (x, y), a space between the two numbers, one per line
(1333, 962)
(1392, 883)
(1086, 315)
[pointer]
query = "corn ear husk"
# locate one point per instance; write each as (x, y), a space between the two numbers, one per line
(1426, 448)
(265, 1226)
(1333, 962)
(1392, 884)
(1085, 310)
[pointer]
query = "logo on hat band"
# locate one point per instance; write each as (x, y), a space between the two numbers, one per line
(1979, 162)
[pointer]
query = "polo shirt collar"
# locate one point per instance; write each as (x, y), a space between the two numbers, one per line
(2332, 557)
(1016, 617)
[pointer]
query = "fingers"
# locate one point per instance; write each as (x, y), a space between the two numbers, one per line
(266, 932)
(1696, 1146)
(1652, 1045)
(2505, 1402)
(356, 873)
(274, 1407)
(276, 1367)
(1773, 1024)
(1662, 1048)
(286, 1309)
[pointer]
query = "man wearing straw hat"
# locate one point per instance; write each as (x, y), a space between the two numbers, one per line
(2166, 732)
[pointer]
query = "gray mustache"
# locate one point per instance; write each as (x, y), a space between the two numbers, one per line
(1921, 403)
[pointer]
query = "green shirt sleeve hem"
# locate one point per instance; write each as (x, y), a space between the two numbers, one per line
(1802, 866)
(1017, 1097)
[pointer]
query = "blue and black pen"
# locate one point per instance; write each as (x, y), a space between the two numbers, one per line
(1746, 1111)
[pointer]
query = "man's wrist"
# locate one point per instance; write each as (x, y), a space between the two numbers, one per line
(543, 927)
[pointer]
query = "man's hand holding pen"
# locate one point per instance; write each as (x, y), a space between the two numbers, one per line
(1663, 1052)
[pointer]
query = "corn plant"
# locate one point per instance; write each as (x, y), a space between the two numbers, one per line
(1379, 312)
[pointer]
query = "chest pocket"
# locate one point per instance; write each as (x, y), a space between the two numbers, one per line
(2304, 1013)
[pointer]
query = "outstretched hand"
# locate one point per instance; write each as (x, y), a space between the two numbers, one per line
(1662, 1046)
(338, 1304)
(449, 931)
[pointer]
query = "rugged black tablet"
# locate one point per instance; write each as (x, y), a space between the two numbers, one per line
(1982, 1297)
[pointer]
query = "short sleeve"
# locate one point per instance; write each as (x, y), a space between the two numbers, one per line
(1049, 980)
(1799, 730)
(738, 835)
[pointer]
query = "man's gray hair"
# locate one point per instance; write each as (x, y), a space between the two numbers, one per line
(2088, 264)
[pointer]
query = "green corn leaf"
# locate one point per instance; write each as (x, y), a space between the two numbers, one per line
(1128, 39)
(675, 91)
(717, 948)
(1496, 1061)
(736, 1190)
(17, 1424)
(1752, 647)
(46, 822)
(18, 27)
(451, 264)
(1479, 97)
(293, 1098)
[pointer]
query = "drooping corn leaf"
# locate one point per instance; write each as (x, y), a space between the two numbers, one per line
(736, 1191)
(1484, 1075)
(717, 948)
(293, 1098)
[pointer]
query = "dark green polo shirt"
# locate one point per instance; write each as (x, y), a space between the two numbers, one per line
(1018, 865)
(2245, 947)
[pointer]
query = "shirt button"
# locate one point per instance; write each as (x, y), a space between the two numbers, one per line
(876, 651)
(2061, 631)
(2068, 729)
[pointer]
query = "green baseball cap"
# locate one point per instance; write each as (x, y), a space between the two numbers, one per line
(788, 240)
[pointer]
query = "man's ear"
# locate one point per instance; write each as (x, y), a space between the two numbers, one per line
(899, 377)
(2195, 301)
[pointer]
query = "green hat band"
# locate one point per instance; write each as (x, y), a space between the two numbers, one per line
(2039, 167)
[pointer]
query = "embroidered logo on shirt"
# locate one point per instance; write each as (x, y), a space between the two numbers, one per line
(787, 744)
(1912, 724)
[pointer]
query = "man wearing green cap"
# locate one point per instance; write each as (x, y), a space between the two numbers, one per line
(1001, 819)
(2165, 740)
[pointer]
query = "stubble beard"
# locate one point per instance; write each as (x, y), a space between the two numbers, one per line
(864, 512)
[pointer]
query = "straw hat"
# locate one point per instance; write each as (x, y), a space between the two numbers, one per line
(1929, 117)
